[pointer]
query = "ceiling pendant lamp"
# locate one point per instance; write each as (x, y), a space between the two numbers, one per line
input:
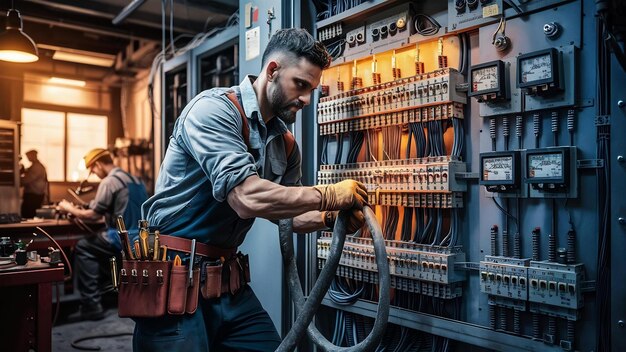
(15, 45)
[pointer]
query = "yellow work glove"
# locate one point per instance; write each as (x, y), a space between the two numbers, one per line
(355, 221)
(346, 194)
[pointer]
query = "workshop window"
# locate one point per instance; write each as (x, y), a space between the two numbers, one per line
(62, 138)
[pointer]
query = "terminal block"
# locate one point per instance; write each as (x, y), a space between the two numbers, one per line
(419, 182)
(427, 97)
(433, 174)
(504, 277)
(444, 291)
(406, 260)
(555, 289)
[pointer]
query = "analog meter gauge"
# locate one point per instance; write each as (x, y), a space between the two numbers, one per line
(548, 169)
(539, 72)
(488, 82)
(499, 171)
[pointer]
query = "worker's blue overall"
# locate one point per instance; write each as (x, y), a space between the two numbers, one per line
(137, 195)
(206, 158)
(119, 193)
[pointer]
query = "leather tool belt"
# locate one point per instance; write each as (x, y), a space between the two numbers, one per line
(153, 288)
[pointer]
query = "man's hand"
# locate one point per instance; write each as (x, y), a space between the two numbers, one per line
(355, 221)
(346, 194)
(65, 206)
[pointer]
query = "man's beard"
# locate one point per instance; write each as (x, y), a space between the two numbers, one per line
(280, 108)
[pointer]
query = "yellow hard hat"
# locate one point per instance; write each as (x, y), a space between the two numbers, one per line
(93, 155)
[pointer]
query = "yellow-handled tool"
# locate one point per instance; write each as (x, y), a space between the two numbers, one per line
(156, 245)
(143, 243)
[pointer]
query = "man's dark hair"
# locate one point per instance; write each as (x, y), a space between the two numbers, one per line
(105, 159)
(299, 43)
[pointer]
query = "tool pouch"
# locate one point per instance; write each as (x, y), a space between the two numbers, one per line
(239, 272)
(182, 298)
(212, 285)
(143, 288)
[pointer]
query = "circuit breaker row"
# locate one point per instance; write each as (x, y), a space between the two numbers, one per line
(418, 200)
(551, 288)
(426, 89)
(419, 263)
(440, 111)
(418, 174)
(444, 291)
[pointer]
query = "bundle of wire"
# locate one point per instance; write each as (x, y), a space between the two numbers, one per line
(335, 49)
(416, 130)
(435, 139)
(356, 143)
(459, 137)
(339, 153)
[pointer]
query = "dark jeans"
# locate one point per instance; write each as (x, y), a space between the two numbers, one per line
(228, 323)
(30, 203)
(92, 266)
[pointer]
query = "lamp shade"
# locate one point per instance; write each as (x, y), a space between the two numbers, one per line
(15, 45)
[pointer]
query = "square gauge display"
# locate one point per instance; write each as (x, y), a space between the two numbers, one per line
(538, 68)
(488, 79)
(545, 166)
(500, 169)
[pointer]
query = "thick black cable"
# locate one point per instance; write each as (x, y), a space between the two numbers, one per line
(306, 310)
(75, 343)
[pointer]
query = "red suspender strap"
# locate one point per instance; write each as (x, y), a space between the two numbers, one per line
(290, 143)
(245, 129)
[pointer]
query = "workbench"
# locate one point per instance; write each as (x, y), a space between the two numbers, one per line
(26, 306)
(64, 231)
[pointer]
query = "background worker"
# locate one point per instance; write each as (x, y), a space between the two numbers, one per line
(221, 172)
(35, 183)
(119, 193)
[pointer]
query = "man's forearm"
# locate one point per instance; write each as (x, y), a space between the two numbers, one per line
(308, 222)
(256, 197)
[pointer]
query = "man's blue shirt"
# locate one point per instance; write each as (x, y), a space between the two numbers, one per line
(207, 157)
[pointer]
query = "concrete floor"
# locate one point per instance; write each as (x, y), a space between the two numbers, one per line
(64, 333)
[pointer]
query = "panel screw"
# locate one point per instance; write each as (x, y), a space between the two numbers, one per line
(621, 103)
(620, 158)
(620, 323)
(621, 220)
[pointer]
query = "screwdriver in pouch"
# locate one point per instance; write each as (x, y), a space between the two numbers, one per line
(155, 255)
(137, 250)
(191, 260)
(121, 230)
(143, 239)
(163, 252)
(114, 278)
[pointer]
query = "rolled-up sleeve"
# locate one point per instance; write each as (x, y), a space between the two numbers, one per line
(211, 133)
(103, 199)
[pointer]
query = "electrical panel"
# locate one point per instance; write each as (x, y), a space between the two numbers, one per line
(9, 170)
(393, 113)
(176, 94)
